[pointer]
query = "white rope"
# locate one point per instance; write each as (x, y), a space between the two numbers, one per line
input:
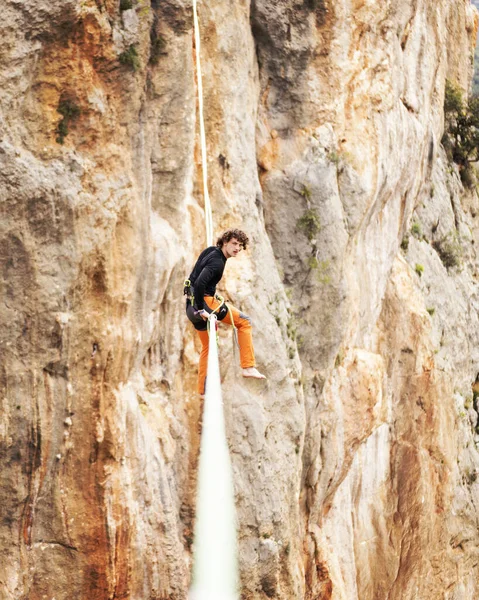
(204, 157)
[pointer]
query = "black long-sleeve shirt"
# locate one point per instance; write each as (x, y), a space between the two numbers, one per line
(206, 274)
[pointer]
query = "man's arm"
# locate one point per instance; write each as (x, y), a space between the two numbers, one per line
(201, 282)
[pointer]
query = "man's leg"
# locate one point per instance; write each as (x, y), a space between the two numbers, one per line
(245, 335)
(203, 364)
(245, 339)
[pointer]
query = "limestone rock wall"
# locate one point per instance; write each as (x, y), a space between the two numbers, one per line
(355, 463)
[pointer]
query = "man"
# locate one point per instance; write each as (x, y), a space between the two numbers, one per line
(202, 301)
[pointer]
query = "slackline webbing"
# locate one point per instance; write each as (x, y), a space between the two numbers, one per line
(215, 570)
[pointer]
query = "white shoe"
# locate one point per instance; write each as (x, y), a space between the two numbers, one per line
(253, 372)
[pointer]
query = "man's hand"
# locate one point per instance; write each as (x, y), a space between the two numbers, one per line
(203, 314)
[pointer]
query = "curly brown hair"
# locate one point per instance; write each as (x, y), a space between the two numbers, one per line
(229, 234)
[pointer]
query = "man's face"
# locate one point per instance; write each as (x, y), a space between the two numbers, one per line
(232, 248)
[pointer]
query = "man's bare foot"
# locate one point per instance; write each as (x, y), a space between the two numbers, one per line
(253, 372)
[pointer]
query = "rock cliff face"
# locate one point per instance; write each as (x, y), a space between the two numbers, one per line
(356, 463)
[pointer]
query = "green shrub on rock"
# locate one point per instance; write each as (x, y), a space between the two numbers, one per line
(450, 250)
(405, 243)
(157, 48)
(419, 269)
(461, 135)
(70, 111)
(309, 223)
(416, 230)
(130, 58)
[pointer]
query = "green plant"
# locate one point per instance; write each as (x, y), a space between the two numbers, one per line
(322, 272)
(306, 192)
(291, 328)
(450, 250)
(299, 342)
(461, 136)
(158, 46)
(320, 267)
(416, 230)
(453, 101)
(130, 58)
(468, 176)
(405, 243)
(334, 157)
(470, 476)
(70, 111)
(62, 131)
(322, 278)
(338, 361)
(419, 269)
(309, 223)
(144, 7)
(313, 262)
(126, 5)
(431, 311)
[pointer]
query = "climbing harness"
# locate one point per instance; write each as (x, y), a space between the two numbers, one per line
(194, 315)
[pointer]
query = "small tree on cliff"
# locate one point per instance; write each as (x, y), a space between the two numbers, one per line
(461, 135)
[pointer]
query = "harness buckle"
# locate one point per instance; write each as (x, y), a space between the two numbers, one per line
(188, 291)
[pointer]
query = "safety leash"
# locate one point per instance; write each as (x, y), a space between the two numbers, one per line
(235, 333)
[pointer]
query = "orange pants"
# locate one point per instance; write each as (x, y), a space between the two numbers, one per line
(245, 340)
